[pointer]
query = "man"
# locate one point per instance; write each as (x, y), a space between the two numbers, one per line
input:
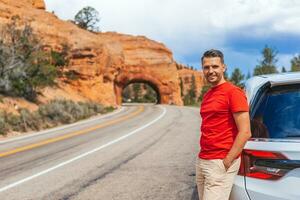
(225, 130)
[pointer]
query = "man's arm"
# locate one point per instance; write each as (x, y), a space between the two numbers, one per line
(242, 122)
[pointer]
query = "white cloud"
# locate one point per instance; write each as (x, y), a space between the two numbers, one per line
(205, 21)
(191, 26)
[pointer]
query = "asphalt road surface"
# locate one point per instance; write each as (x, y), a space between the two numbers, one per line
(138, 152)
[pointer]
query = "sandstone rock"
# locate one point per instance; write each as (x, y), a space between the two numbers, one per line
(39, 4)
(186, 74)
(106, 62)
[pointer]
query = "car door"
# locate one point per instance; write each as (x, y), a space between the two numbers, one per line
(271, 159)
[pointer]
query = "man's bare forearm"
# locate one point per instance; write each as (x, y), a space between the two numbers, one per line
(244, 133)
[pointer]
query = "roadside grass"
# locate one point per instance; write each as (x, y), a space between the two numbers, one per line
(54, 113)
(196, 104)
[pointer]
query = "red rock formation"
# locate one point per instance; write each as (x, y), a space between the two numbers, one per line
(106, 62)
(39, 4)
(186, 74)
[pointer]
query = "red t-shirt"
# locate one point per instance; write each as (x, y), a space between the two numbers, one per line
(218, 129)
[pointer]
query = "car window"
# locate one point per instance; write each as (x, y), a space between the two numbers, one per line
(278, 113)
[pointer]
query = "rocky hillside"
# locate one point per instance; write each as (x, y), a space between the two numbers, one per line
(186, 75)
(106, 62)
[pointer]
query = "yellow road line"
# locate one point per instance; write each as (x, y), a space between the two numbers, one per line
(70, 135)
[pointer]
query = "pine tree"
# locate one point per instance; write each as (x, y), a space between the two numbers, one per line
(205, 88)
(295, 64)
(150, 96)
(267, 64)
(137, 92)
(283, 69)
(190, 97)
(181, 87)
(192, 92)
(126, 94)
(187, 99)
(248, 75)
(237, 77)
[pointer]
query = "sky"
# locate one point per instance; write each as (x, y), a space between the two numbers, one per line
(240, 28)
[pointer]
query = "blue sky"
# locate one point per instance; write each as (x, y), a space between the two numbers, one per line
(240, 28)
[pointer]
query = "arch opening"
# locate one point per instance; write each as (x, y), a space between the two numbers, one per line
(140, 91)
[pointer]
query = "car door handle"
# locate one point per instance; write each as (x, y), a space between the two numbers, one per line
(274, 166)
(278, 163)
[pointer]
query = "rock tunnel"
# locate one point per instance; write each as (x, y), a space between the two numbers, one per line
(156, 96)
(164, 94)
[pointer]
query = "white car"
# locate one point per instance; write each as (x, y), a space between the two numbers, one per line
(270, 168)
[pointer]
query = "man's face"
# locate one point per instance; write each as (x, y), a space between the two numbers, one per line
(213, 70)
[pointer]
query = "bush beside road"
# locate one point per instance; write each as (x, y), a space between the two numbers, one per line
(56, 112)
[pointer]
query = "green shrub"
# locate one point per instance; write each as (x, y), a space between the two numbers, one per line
(109, 109)
(72, 75)
(25, 66)
(58, 59)
(54, 113)
(91, 108)
(30, 120)
(14, 122)
(73, 109)
(3, 125)
(65, 111)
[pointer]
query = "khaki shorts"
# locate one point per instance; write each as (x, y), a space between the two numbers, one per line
(213, 181)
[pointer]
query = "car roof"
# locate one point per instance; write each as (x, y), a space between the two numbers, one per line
(253, 84)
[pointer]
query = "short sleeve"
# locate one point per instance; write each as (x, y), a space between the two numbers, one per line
(238, 100)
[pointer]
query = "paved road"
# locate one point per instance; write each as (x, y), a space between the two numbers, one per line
(140, 152)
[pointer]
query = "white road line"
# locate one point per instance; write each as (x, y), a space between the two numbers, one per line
(61, 127)
(82, 155)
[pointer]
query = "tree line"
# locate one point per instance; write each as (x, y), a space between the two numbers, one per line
(139, 93)
(266, 65)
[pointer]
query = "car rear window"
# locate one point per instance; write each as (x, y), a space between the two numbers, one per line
(278, 113)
